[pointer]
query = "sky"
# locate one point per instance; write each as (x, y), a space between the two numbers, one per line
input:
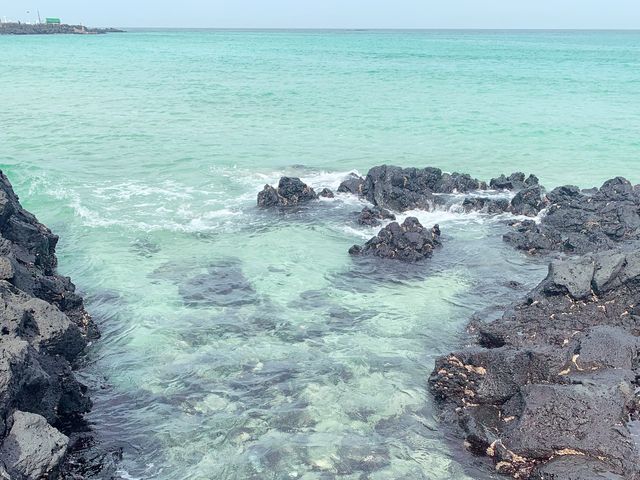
(570, 14)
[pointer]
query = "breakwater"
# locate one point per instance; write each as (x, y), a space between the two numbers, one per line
(16, 28)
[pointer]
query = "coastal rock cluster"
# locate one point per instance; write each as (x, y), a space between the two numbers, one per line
(43, 329)
(409, 242)
(582, 221)
(291, 191)
(550, 389)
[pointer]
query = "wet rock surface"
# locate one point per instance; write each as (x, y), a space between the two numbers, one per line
(402, 189)
(373, 216)
(291, 191)
(408, 242)
(44, 327)
(515, 181)
(551, 386)
(578, 222)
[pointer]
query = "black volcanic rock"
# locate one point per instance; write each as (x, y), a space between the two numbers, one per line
(372, 216)
(550, 387)
(528, 201)
(409, 242)
(352, 184)
(326, 193)
(44, 327)
(515, 181)
(291, 191)
(486, 204)
(402, 189)
(576, 222)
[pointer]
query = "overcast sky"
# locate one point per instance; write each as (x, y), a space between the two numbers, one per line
(334, 13)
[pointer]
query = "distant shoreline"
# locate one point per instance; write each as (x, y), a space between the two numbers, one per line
(16, 28)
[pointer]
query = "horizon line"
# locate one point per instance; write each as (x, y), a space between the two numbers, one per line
(351, 29)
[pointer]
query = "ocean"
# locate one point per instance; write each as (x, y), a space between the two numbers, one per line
(246, 344)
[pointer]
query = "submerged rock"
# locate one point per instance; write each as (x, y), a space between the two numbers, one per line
(44, 328)
(372, 216)
(223, 285)
(576, 222)
(291, 191)
(409, 242)
(549, 388)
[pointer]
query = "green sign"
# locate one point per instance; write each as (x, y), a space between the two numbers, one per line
(53, 21)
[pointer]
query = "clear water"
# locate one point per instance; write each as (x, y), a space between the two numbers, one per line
(144, 152)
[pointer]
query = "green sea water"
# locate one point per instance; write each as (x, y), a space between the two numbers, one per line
(244, 344)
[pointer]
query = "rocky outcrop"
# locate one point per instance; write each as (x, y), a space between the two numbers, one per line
(291, 191)
(43, 329)
(352, 184)
(373, 216)
(579, 222)
(515, 181)
(485, 204)
(326, 193)
(549, 388)
(402, 189)
(408, 242)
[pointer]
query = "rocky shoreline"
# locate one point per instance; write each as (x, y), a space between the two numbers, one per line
(546, 391)
(550, 389)
(44, 328)
(15, 28)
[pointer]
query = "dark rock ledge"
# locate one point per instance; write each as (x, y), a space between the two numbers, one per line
(43, 329)
(551, 387)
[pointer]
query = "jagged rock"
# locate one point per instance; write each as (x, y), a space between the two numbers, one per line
(42, 324)
(372, 216)
(484, 204)
(551, 384)
(43, 328)
(30, 248)
(326, 193)
(352, 184)
(402, 189)
(579, 223)
(515, 181)
(528, 202)
(291, 191)
(33, 449)
(458, 183)
(408, 242)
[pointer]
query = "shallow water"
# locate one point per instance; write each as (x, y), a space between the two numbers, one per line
(243, 344)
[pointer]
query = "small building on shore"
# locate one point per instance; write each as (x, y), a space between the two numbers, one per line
(52, 21)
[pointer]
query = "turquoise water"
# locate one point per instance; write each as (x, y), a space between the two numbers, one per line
(144, 152)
